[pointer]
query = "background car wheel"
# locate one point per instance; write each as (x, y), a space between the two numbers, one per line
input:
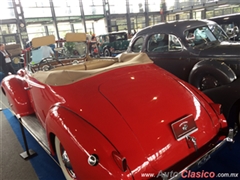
(208, 81)
(207, 74)
(236, 120)
(64, 161)
(106, 52)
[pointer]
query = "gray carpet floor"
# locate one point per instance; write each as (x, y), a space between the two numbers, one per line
(12, 166)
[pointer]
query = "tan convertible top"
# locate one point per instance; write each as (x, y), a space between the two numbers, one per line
(64, 75)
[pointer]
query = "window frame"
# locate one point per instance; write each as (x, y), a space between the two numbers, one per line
(133, 44)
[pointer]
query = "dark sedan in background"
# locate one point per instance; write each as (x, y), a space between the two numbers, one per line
(199, 52)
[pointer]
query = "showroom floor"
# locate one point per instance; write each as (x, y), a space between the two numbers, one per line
(12, 166)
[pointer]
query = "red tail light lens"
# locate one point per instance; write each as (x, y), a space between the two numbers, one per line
(120, 161)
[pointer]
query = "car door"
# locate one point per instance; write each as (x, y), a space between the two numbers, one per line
(167, 52)
(41, 96)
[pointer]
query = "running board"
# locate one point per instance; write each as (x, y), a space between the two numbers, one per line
(35, 128)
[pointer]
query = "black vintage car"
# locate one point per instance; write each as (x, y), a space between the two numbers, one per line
(199, 52)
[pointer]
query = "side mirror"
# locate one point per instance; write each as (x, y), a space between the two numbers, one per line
(232, 32)
(236, 29)
(229, 31)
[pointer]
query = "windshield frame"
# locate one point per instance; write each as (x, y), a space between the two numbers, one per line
(205, 35)
(220, 34)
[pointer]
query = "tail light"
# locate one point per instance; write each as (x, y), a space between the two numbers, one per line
(120, 161)
(218, 110)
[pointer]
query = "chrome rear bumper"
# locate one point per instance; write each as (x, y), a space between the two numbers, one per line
(204, 158)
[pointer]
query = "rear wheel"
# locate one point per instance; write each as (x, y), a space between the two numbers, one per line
(237, 123)
(64, 161)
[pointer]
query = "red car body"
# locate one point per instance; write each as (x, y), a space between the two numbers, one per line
(133, 116)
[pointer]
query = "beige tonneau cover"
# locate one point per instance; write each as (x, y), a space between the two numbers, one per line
(64, 75)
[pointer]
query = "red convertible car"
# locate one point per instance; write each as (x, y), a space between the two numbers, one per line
(115, 118)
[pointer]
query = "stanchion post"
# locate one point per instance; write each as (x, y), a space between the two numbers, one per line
(28, 153)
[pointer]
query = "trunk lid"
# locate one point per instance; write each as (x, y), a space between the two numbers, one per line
(155, 107)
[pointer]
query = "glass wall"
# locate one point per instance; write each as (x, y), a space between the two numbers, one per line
(8, 29)
(197, 14)
(171, 17)
(90, 27)
(93, 7)
(154, 19)
(157, 19)
(218, 12)
(6, 9)
(36, 30)
(236, 9)
(1, 39)
(184, 16)
(171, 4)
(63, 29)
(78, 27)
(100, 27)
(151, 20)
(227, 11)
(66, 8)
(140, 23)
(136, 7)
(121, 23)
(52, 30)
(35, 8)
(117, 7)
(209, 14)
(154, 5)
(178, 4)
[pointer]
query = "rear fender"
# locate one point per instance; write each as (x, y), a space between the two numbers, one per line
(207, 101)
(80, 139)
(13, 86)
(219, 70)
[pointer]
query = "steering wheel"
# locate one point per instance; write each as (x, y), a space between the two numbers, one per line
(45, 67)
(56, 59)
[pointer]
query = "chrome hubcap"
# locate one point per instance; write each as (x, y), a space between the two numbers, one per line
(208, 82)
(67, 164)
(107, 53)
